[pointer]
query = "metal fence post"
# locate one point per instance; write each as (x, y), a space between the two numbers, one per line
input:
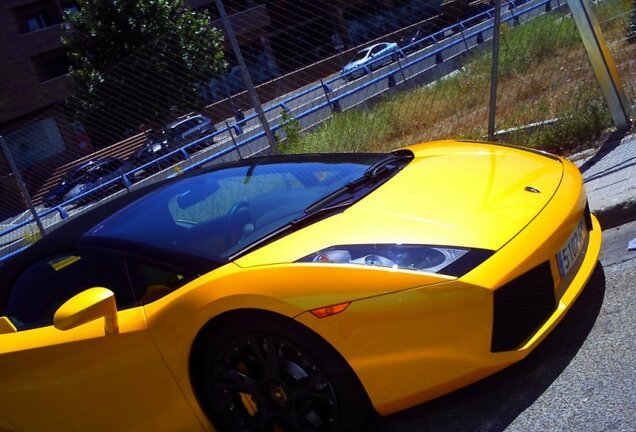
(602, 62)
(21, 185)
(335, 106)
(247, 79)
(401, 69)
(229, 129)
(492, 111)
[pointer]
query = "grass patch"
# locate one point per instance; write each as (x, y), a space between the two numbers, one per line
(351, 131)
(544, 74)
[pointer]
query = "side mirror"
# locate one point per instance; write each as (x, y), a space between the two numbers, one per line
(87, 306)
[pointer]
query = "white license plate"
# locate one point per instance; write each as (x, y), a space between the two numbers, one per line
(569, 252)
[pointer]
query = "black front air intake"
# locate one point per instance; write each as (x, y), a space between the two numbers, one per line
(588, 217)
(521, 306)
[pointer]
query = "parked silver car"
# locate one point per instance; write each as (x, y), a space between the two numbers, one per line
(189, 129)
(369, 58)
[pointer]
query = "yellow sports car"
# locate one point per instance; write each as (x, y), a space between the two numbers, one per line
(293, 293)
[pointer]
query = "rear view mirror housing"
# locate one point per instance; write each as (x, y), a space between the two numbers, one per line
(87, 306)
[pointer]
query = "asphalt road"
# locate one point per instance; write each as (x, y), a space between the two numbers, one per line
(582, 378)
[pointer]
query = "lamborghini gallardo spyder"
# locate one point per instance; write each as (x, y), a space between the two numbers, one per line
(293, 293)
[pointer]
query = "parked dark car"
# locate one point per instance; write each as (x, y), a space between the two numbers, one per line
(173, 136)
(85, 177)
(158, 145)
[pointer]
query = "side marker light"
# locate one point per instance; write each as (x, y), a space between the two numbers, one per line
(329, 310)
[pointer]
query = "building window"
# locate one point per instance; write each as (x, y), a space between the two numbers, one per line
(36, 16)
(36, 21)
(51, 65)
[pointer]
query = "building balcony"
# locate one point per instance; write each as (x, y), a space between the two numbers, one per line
(41, 41)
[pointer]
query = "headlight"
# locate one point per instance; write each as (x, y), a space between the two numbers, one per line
(450, 261)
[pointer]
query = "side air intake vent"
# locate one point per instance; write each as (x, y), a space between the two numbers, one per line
(521, 307)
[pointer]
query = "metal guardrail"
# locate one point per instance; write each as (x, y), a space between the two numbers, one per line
(482, 23)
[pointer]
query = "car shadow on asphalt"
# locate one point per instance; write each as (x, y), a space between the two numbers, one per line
(495, 402)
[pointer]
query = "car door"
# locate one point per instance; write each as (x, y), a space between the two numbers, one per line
(193, 127)
(385, 53)
(378, 50)
(376, 53)
(82, 379)
(185, 128)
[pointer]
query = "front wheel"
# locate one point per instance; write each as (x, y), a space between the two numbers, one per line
(271, 374)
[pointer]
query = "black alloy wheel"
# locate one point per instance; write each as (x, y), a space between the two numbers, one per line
(266, 383)
(260, 381)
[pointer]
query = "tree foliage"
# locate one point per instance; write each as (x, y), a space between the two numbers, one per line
(138, 62)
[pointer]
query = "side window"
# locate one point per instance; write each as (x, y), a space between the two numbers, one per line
(92, 175)
(190, 124)
(44, 286)
(151, 282)
(179, 128)
(183, 127)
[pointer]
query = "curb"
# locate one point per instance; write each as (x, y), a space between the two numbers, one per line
(617, 214)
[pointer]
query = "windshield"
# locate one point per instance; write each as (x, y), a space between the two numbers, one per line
(76, 173)
(217, 213)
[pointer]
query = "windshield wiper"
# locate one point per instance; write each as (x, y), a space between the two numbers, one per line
(373, 175)
(322, 209)
(291, 226)
(398, 157)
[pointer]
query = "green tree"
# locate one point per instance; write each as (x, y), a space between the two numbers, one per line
(138, 62)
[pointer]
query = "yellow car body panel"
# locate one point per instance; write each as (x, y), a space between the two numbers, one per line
(49, 376)
(409, 336)
(176, 319)
(445, 346)
(431, 340)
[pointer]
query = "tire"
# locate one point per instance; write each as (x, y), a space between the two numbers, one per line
(262, 372)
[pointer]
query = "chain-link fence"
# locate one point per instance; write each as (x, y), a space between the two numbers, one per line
(330, 76)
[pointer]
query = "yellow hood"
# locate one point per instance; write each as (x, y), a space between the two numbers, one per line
(453, 194)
